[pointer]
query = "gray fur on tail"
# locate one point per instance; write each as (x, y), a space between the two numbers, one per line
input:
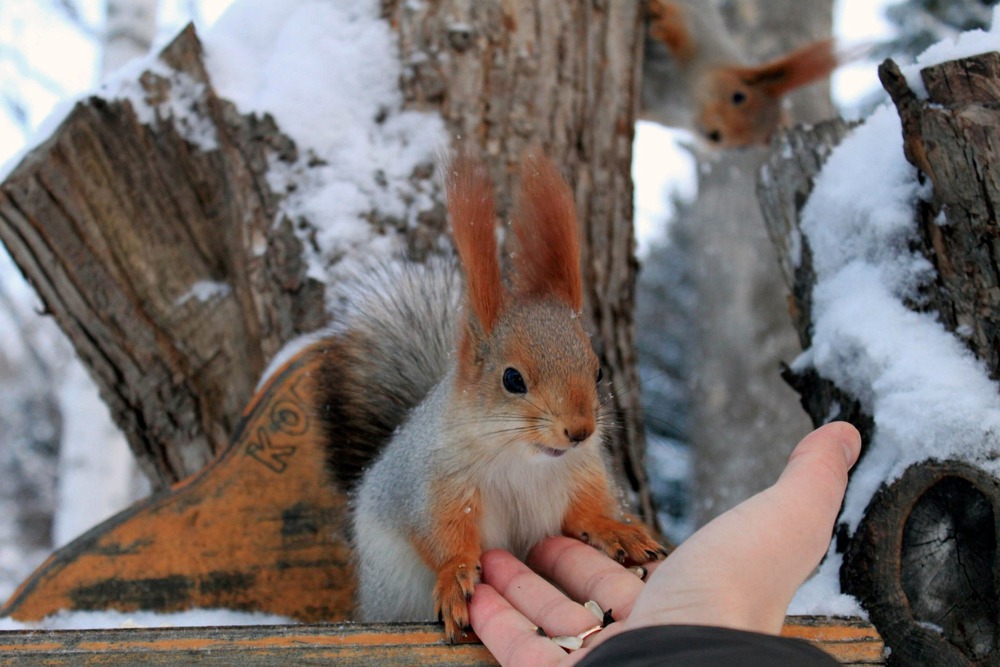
(393, 339)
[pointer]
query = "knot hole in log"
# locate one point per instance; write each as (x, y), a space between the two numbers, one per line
(949, 542)
(924, 563)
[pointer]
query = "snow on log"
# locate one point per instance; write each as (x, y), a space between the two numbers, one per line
(889, 243)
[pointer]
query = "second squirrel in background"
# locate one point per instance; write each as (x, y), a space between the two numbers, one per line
(692, 64)
(492, 396)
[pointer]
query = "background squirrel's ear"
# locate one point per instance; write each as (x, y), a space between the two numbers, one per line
(800, 67)
(472, 212)
(666, 24)
(547, 261)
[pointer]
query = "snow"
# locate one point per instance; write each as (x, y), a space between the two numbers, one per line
(205, 290)
(329, 74)
(663, 173)
(821, 596)
(87, 426)
(969, 43)
(929, 396)
(89, 620)
(180, 107)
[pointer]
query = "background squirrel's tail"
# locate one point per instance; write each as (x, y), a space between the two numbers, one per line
(392, 341)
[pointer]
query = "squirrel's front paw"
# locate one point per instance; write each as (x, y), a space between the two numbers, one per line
(625, 542)
(456, 582)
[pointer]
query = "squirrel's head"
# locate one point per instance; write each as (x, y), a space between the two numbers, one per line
(526, 367)
(741, 106)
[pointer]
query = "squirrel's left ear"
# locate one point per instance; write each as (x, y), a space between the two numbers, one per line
(547, 260)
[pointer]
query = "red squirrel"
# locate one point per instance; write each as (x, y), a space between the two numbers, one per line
(689, 55)
(489, 396)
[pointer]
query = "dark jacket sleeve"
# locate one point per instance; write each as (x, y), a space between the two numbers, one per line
(697, 646)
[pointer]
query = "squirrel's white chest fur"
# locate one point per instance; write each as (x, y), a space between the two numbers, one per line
(523, 501)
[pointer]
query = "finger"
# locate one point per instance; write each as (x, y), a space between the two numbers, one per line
(509, 636)
(541, 602)
(586, 574)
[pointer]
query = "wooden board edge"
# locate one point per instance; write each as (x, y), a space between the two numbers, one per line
(851, 641)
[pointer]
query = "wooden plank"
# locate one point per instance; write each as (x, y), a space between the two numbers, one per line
(261, 528)
(852, 641)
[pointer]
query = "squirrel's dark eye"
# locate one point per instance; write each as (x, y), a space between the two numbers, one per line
(513, 382)
(600, 375)
(715, 136)
(739, 97)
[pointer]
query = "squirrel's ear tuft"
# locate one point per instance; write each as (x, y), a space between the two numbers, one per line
(547, 261)
(472, 212)
(667, 25)
(803, 66)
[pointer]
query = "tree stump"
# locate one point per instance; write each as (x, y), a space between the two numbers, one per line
(923, 560)
(115, 222)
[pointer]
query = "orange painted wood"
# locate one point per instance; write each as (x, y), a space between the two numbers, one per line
(851, 641)
(259, 529)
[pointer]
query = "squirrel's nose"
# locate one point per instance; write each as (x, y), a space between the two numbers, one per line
(578, 434)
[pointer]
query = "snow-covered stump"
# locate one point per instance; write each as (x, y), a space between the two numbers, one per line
(147, 227)
(912, 356)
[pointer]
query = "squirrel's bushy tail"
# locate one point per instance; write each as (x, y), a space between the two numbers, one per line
(392, 341)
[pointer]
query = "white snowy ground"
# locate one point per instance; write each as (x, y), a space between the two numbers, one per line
(268, 56)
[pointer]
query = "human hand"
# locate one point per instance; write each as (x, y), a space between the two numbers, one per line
(739, 571)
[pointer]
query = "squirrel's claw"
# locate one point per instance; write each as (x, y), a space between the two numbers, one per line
(456, 582)
(625, 542)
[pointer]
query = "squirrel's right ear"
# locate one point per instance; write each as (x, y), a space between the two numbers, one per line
(802, 66)
(472, 212)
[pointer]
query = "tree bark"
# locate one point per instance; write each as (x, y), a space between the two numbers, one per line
(118, 224)
(924, 559)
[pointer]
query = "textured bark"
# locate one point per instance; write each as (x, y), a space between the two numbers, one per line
(923, 563)
(506, 76)
(955, 142)
(925, 554)
(115, 222)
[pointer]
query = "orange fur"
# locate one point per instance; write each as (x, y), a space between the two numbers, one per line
(452, 549)
(548, 254)
(666, 24)
(472, 212)
(740, 106)
(801, 67)
(733, 104)
(592, 517)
